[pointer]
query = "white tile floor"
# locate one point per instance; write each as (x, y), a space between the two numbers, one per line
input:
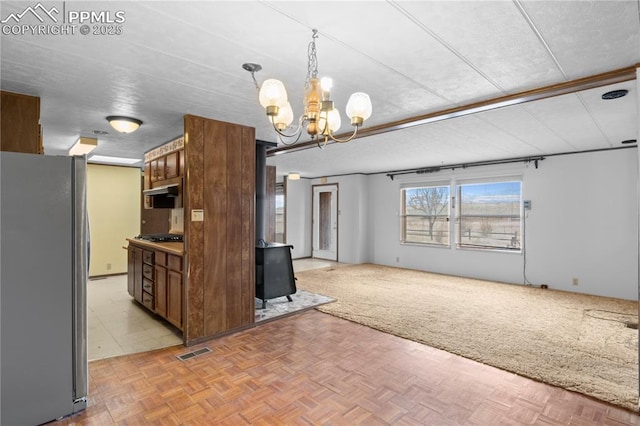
(118, 326)
(300, 265)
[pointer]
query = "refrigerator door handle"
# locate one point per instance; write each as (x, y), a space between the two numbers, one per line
(81, 276)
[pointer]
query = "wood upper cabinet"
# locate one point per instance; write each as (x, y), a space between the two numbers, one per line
(165, 167)
(172, 165)
(146, 182)
(20, 123)
(157, 169)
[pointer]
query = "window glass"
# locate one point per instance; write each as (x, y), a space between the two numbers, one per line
(489, 215)
(425, 215)
(280, 200)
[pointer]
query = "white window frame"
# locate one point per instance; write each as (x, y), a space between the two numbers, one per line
(403, 214)
(514, 245)
(453, 213)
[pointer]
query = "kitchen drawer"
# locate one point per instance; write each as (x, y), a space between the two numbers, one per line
(161, 258)
(147, 286)
(147, 257)
(147, 300)
(175, 262)
(147, 271)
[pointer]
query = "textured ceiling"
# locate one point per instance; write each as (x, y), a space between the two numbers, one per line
(412, 58)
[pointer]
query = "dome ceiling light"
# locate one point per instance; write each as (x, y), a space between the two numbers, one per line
(124, 124)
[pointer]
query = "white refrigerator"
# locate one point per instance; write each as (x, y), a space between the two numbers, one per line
(44, 249)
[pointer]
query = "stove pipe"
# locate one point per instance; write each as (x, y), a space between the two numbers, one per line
(261, 193)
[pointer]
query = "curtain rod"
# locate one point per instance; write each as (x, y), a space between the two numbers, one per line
(535, 159)
(435, 169)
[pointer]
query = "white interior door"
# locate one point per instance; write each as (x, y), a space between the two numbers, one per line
(325, 222)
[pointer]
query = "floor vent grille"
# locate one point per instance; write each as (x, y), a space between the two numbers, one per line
(193, 354)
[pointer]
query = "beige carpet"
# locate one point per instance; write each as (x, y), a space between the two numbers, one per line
(574, 341)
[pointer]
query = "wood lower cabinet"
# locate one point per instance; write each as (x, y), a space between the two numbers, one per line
(134, 272)
(168, 296)
(161, 283)
(174, 298)
(148, 280)
(155, 281)
(161, 291)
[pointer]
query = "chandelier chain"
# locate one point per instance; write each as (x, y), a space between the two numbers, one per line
(253, 76)
(312, 65)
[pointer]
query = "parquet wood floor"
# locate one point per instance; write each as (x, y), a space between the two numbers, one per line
(313, 368)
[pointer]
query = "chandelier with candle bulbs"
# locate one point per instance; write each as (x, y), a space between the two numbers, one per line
(320, 118)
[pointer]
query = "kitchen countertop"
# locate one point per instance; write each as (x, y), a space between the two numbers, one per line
(170, 247)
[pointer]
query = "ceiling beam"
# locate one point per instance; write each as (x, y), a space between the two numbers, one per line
(558, 89)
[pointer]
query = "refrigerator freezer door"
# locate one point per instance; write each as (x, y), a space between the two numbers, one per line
(37, 269)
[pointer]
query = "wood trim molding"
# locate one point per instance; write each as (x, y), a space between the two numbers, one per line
(558, 89)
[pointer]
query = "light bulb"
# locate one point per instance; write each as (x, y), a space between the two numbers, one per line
(272, 93)
(284, 117)
(359, 107)
(326, 83)
(334, 119)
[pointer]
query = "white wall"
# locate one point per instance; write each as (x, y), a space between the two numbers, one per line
(586, 224)
(298, 206)
(113, 203)
(583, 224)
(353, 217)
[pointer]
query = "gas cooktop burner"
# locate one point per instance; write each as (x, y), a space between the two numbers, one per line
(161, 238)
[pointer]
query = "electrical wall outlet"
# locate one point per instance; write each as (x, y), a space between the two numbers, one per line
(397, 260)
(574, 281)
(108, 266)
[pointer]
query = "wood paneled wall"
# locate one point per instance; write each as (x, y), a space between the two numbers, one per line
(270, 207)
(220, 250)
(153, 221)
(20, 123)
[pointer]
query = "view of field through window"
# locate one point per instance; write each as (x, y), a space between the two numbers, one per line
(488, 215)
(426, 215)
